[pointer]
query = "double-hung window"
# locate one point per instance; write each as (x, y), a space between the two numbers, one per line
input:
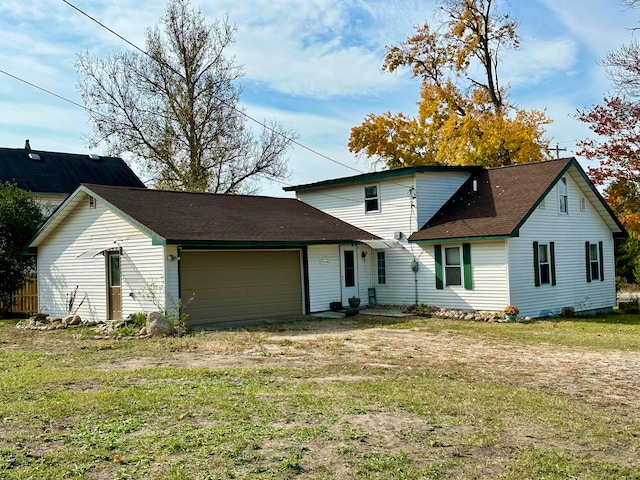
(382, 268)
(594, 260)
(544, 263)
(453, 266)
(371, 198)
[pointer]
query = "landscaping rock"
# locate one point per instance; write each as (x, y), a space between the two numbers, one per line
(158, 325)
(72, 320)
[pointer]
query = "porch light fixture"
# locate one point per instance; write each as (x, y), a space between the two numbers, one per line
(173, 258)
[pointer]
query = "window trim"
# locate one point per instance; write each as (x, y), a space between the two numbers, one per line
(369, 199)
(466, 268)
(537, 264)
(599, 262)
(381, 267)
(457, 266)
(563, 194)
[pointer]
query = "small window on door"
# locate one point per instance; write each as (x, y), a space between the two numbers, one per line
(371, 199)
(382, 268)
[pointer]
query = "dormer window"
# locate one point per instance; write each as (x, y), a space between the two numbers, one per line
(563, 196)
(371, 199)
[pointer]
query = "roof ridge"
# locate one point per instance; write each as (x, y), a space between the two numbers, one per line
(539, 162)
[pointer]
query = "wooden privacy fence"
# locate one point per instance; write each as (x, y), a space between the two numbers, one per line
(25, 300)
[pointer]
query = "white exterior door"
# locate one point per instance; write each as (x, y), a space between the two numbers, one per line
(348, 273)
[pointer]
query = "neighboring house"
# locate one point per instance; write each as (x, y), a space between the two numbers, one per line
(54, 176)
(538, 236)
(226, 257)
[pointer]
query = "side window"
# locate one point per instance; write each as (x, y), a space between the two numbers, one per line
(452, 266)
(563, 196)
(371, 199)
(594, 259)
(382, 268)
(544, 263)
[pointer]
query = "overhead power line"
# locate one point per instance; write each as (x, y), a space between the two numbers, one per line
(237, 110)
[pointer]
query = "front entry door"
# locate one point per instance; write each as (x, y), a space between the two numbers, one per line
(348, 273)
(114, 299)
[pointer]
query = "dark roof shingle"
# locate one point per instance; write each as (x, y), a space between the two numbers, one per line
(182, 217)
(62, 172)
(504, 198)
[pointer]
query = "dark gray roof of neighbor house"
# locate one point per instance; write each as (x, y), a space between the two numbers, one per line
(206, 218)
(505, 198)
(51, 172)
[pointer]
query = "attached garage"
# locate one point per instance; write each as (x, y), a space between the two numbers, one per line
(240, 257)
(232, 285)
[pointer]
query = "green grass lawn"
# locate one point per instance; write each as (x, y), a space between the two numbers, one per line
(361, 398)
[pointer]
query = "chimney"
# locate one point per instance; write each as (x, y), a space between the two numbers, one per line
(27, 147)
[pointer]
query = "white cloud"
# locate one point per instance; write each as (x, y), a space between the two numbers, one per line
(537, 60)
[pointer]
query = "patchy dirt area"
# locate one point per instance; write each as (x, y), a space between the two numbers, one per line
(604, 378)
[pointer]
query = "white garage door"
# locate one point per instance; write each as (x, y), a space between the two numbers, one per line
(240, 285)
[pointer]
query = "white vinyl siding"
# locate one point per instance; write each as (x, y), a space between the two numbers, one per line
(568, 232)
(61, 267)
(346, 202)
(433, 189)
(489, 272)
(324, 276)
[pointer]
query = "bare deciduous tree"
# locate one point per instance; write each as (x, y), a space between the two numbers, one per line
(174, 108)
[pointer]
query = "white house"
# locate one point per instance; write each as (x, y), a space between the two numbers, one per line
(227, 257)
(538, 236)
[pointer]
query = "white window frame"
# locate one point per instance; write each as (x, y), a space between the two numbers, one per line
(563, 196)
(544, 247)
(459, 266)
(594, 263)
(370, 199)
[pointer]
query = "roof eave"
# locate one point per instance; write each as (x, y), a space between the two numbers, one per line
(464, 239)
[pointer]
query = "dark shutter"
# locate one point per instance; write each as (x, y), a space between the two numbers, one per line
(466, 260)
(601, 251)
(437, 251)
(552, 261)
(587, 256)
(536, 266)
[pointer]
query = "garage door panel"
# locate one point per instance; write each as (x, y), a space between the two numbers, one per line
(238, 285)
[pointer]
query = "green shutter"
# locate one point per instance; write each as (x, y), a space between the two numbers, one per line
(552, 261)
(601, 248)
(466, 259)
(587, 256)
(437, 251)
(536, 264)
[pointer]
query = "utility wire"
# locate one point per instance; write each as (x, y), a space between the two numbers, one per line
(237, 110)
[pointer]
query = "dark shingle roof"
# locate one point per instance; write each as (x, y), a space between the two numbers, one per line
(181, 217)
(504, 200)
(62, 172)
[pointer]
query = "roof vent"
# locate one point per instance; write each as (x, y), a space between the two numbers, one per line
(94, 156)
(34, 156)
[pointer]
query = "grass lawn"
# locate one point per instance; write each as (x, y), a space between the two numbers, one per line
(357, 398)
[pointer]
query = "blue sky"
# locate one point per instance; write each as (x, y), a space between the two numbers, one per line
(312, 65)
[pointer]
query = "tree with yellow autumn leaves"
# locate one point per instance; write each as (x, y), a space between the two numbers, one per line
(462, 119)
